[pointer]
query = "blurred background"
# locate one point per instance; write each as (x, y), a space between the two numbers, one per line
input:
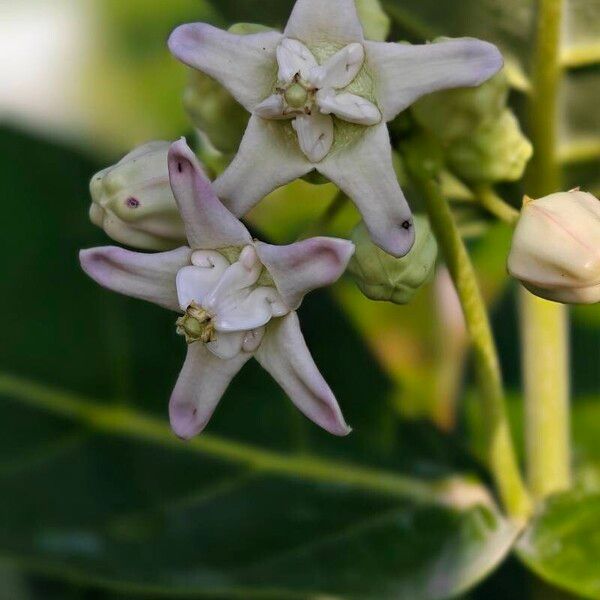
(95, 503)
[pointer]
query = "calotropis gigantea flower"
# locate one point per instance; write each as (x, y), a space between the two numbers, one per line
(556, 248)
(133, 202)
(320, 96)
(237, 298)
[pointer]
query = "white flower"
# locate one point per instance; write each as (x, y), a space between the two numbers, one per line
(237, 297)
(320, 96)
(556, 248)
(133, 202)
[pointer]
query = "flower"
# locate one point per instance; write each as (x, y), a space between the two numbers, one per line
(320, 96)
(237, 297)
(133, 202)
(556, 248)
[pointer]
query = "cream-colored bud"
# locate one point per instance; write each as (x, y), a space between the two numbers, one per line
(556, 248)
(133, 202)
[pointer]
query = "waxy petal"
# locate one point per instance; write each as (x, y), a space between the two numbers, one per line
(228, 344)
(364, 172)
(272, 108)
(268, 158)
(237, 278)
(403, 72)
(305, 266)
(148, 277)
(250, 310)
(209, 225)
(283, 353)
(294, 58)
(341, 69)
(348, 107)
(201, 384)
(245, 64)
(315, 135)
(195, 282)
(313, 21)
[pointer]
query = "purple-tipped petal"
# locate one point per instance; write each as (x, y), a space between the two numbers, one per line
(283, 353)
(209, 225)
(268, 158)
(313, 21)
(244, 64)
(403, 72)
(305, 266)
(201, 385)
(364, 172)
(148, 277)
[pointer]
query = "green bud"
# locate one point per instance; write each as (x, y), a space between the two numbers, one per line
(454, 114)
(498, 151)
(385, 278)
(214, 111)
(375, 22)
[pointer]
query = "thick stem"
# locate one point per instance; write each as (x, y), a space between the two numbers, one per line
(545, 334)
(502, 458)
(495, 205)
(544, 324)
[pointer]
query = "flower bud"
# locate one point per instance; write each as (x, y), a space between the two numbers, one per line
(455, 114)
(383, 277)
(133, 202)
(556, 248)
(375, 21)
(497, 151)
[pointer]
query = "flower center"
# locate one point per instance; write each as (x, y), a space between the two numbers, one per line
(196, 325)
(296, 96)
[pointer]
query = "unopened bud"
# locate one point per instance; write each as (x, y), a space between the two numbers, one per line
(383, 277)
(133, 202)
(556, 248)
(495, 152)
(455, 114)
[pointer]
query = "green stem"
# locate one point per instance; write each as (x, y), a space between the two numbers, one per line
(501, 453)
(545, 334)
(495, 205)
(544, 325)
(128, 422)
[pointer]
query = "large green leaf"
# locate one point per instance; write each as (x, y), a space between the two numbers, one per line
(95, 488)
(562, 545)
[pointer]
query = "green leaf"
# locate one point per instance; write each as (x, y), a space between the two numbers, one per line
(562, 545)
(96, 488)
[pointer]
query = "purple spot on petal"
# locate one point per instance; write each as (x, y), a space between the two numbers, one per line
(132, 203)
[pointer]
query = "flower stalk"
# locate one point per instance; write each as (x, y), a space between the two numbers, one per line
(544, 325)
(501, 455)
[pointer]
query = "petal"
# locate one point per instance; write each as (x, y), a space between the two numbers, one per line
(228, 344)
(315, 135)
(340, 70)
(237, 278)
(348, 107)
(294, 57)
(305, 266)
(209, 225)
(283, 353)
(195, 282)
(315, 21)
(251, 310)
(245, 64)
(364, 172)
(201, 384)
(148, 277)
(272, 108)
(403, 72)
(267, 159)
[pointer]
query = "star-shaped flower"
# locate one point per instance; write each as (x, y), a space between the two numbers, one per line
(237, 298)
(320, 96)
